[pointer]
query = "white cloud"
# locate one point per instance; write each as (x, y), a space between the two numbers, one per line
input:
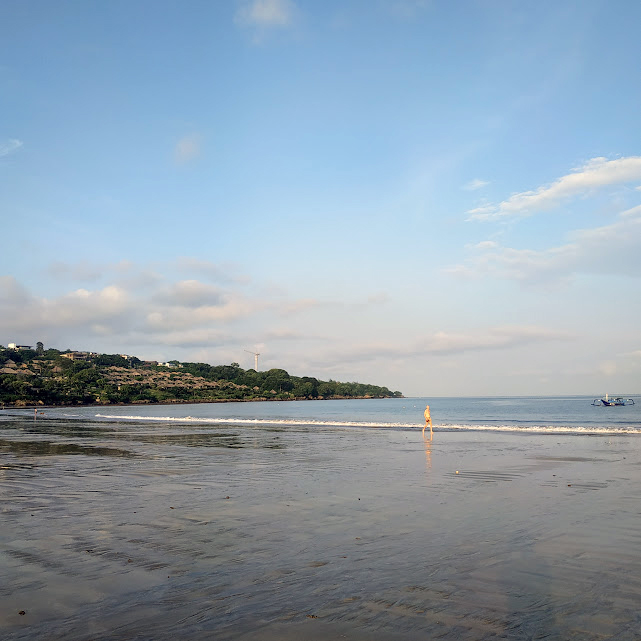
(595, 174)
(24, 312)
(633, 211)
(266, 13)
(610, 250)
(153, 307)
(475, 184)
(187, 149)
(178, 317)
(10, 147)
(83, 306)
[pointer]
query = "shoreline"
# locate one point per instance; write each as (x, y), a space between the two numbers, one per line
(181, 402)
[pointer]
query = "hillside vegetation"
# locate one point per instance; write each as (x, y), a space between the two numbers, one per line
(47, 377)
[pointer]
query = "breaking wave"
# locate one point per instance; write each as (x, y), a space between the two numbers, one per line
(301, 422)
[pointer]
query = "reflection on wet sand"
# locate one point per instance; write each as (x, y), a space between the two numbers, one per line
(57, 428)
(427, 444)
(329, 533)
(218, 439)
(48, 448)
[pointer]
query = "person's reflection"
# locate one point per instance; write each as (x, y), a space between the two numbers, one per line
(427, 442)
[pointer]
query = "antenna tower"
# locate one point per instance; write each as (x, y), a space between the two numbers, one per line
(256, 355)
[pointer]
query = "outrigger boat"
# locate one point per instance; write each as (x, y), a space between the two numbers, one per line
(611, 402)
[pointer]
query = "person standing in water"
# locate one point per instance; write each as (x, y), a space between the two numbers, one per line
(428, 419)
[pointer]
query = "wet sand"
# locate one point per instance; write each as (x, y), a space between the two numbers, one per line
(112, 531)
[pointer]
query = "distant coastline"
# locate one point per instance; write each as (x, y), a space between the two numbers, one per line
(7, 407)
(50, 378)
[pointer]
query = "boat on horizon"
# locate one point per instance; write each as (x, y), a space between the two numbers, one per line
(614, 401)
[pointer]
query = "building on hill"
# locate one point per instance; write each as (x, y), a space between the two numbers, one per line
(18, 347)
(77, 356)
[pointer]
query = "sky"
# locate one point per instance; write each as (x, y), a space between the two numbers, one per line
(440, 197)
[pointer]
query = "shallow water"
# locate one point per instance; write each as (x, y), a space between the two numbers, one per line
(570, 414)
(164, 531)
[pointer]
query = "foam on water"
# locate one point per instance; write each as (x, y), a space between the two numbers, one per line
(258, 422)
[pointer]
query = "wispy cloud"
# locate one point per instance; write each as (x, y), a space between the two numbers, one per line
(266, 13)
(492, 339)
(475, 184)
(595, 174)
(610, 250)
(12, 145)
(447, 344)
(187, 149)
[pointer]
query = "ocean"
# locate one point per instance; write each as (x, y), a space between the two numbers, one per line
(568, 414)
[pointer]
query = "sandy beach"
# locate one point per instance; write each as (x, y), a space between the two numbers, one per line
(267, 533)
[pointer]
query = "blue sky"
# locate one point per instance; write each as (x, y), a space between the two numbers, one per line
(439, 197)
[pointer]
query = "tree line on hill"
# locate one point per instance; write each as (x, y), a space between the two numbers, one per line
(47, 377)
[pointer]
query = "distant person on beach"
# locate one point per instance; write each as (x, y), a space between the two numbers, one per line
(428, 419)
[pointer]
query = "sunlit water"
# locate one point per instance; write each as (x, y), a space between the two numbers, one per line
(250, 518)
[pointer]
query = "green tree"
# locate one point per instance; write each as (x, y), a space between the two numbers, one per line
(111, 360)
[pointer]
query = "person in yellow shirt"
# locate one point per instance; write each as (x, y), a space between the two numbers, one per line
(428, 419)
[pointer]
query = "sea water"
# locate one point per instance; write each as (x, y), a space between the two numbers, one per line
(569, 414)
